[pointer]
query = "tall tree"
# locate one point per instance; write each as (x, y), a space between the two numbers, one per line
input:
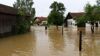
(25, 8)
(98, 2)
(92, 14)
(97, 10)
(89, 15)
(56, 15)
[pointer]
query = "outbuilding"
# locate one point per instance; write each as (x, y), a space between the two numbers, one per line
(7, 18)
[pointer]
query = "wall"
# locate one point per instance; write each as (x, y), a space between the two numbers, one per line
(6, 23)
(71, 22)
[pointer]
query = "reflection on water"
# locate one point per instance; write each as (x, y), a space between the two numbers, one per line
(57, 43)
(51, 43)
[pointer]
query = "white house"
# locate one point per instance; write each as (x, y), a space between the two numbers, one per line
(70, 19)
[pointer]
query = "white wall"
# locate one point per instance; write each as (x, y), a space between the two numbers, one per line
(71, 22)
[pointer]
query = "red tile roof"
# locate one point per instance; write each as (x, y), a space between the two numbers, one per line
(74, 15)
(42, 18)
(78, 14)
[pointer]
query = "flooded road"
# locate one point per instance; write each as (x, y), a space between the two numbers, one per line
(51, 43)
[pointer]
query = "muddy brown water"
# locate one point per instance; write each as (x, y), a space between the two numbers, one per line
(51, 42)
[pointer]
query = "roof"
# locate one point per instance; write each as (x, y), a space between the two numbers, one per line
(7, 9)
(41, 18)
(74, 15)
(4, 9)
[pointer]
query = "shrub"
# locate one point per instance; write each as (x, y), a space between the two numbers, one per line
(81, 21)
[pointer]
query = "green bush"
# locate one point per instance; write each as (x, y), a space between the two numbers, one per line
(81, 21)
(22, 25)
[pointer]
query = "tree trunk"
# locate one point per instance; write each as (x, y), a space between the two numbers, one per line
(96, 24)
(57, 27)
(66, 23)
(92, 29)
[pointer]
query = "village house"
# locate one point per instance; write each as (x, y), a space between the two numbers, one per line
(40, 20)
(70, 19)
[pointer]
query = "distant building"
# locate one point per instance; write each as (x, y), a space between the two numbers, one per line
(71, 17)
(41, 20)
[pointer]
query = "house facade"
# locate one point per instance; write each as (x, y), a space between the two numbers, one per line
(7, 18)
(71, 17)
(40, 20)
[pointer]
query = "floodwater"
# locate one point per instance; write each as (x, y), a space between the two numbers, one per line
(51, 42)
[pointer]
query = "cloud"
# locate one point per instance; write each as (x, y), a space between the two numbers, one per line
(42, 6)
(7, 2)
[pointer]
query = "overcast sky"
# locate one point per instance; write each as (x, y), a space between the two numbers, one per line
(42, 6)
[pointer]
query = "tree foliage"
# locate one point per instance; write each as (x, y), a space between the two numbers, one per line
(26, 14)
(56, 15)
(92, 14)
(81, 21)
(98, 2)
(24, 7)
